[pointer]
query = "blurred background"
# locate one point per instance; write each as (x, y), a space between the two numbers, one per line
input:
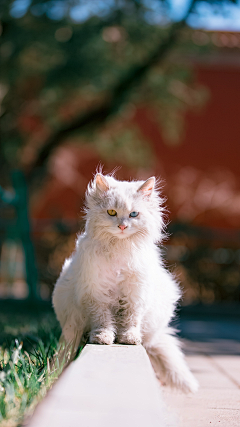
(142, 87)
(148, 87)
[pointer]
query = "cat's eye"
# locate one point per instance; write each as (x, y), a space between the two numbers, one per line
(133, 214)
(112, 212)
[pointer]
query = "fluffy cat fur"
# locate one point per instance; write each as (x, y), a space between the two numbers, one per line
(114, 287)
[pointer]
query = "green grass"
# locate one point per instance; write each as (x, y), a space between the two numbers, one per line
(28, 340)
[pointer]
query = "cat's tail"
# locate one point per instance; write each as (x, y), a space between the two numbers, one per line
(168, 362)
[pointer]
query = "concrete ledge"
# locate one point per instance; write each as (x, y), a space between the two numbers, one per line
(106, 386)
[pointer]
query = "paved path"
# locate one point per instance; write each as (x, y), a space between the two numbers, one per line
(213, 354)
(106, 386)
(115, 385)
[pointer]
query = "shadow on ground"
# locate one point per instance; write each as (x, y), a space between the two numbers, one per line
(27, 321)
(204, 329)
(210, 330)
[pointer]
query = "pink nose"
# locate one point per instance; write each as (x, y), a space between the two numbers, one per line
(122, 227)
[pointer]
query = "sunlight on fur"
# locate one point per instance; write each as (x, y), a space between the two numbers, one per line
(114, 287)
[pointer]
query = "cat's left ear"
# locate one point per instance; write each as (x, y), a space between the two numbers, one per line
(147, 187)
(101, 182)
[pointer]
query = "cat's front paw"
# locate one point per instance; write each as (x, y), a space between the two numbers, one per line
(132, 337)
(102, 337)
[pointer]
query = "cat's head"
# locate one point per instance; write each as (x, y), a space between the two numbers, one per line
(122, 209)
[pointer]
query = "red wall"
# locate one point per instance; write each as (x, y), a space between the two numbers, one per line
(201, 174)
(209, 152)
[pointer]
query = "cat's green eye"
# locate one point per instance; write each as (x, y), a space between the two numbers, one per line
(133, 214)
(112, 212)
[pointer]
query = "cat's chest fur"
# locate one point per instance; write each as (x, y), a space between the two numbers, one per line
(115, 272)
(117, 268)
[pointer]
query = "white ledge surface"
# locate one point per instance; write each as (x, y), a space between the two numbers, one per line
(108, 385)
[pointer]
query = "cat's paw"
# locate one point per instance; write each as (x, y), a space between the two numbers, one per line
(132, 337)
(102, 337)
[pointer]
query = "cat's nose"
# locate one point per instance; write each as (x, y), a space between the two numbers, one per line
(122, 227)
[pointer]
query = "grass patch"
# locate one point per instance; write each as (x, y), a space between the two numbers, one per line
(28, 340)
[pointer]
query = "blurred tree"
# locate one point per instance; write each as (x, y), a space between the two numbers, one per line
(68, 65)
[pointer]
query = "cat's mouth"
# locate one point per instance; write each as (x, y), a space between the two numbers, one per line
(124, 234)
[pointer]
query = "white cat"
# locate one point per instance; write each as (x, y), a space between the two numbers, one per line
(114, 288)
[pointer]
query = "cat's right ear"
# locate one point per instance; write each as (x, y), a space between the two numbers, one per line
(101, 183)
(147, 187)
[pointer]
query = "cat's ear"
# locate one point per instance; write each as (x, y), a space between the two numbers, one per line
(101, 182)
(147, 187)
